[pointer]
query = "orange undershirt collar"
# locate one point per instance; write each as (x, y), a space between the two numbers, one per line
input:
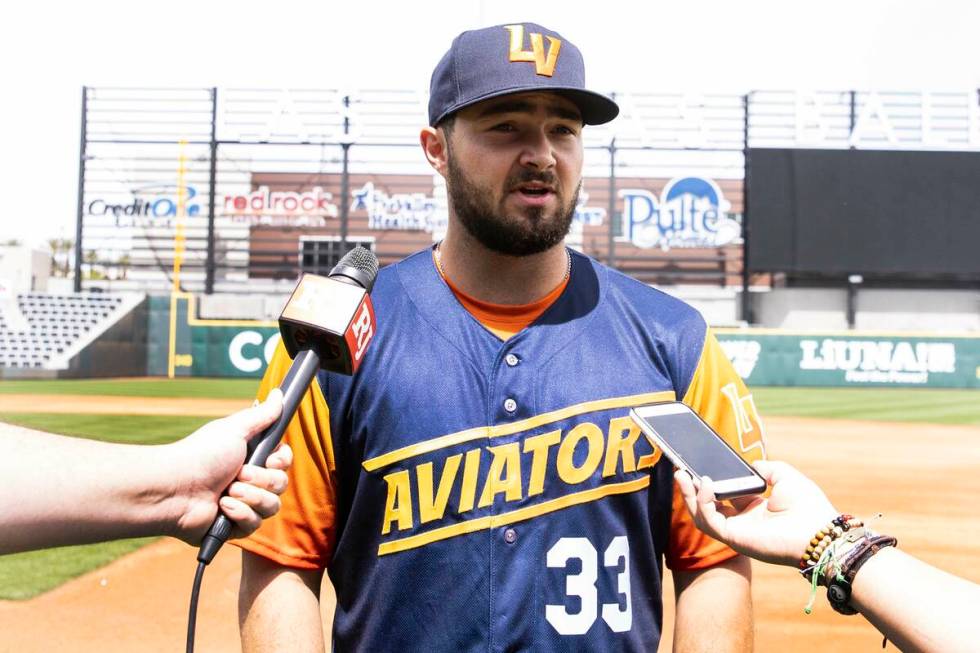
(503, 320)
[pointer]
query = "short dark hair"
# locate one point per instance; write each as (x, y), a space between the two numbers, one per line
(448, 123)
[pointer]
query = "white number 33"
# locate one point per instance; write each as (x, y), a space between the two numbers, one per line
(583, 585)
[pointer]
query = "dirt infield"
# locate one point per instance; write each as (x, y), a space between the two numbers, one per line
(922, 477)
(109, 405)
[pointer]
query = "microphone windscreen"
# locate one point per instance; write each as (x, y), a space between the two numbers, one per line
(360, 265)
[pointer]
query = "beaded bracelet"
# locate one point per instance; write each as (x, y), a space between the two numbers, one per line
(823, 538)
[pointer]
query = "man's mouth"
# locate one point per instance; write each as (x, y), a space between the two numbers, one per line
(534, 190)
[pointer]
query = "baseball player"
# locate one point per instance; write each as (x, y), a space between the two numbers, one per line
(478, 485)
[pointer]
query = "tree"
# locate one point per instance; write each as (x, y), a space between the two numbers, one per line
(61, 251)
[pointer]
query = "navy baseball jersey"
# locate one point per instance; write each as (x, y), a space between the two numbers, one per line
(466, 493)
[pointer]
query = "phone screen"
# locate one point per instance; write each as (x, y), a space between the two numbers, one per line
(704, 451)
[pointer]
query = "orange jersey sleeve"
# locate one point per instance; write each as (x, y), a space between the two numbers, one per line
(719, 396)
(302, 534)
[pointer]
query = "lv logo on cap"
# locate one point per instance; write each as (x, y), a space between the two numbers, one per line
(544, 64)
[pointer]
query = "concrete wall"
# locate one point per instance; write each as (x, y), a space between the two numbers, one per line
(719, 306)
(24, 269)
(918, 310)
(795, 309)
(229, 306)
(876, 309)
(120, 351)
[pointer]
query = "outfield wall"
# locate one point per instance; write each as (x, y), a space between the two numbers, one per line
(184, 345)
(853, 358)
(181, 344)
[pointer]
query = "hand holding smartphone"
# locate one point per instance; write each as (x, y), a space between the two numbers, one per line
(693, 446)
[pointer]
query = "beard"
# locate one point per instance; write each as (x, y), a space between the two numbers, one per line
(538, 230)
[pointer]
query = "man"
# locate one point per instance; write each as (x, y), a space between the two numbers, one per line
(59, 490)
(478, 485)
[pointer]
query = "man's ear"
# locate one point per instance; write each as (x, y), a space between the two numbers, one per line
(436, 150)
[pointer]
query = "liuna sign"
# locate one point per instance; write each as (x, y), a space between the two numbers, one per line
(853, 360)
(690, 212)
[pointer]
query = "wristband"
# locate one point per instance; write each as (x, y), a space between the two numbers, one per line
(839, 584)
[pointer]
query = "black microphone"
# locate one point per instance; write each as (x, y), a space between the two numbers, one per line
(326, 324)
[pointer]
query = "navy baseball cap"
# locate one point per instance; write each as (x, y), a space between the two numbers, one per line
(504, 59)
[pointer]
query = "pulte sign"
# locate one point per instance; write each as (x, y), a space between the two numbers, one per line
(690, 212)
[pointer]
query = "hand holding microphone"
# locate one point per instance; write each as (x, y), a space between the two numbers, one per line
(326, 324)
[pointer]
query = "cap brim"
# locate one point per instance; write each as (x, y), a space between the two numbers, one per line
(596, 108)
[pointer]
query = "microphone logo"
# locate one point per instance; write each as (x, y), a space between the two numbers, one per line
(362, 328)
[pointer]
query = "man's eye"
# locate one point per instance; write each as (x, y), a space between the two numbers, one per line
(563, 129)
(503, 127)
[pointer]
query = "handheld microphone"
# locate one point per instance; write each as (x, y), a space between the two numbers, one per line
(326, 324)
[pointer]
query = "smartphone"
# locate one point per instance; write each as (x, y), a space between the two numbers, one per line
(692, 445)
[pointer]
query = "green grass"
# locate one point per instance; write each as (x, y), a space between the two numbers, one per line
(935, 406)
(130, 429)
(24, 575)
(209, 388)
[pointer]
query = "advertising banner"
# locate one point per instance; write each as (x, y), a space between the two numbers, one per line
(854, 359)
(190, 346)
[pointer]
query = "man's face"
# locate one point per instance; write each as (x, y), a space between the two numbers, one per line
(514, 171)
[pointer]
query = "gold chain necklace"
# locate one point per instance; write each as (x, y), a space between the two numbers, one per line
(438, 252)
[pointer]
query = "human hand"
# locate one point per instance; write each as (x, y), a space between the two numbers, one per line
(777, 529)
(210, 460)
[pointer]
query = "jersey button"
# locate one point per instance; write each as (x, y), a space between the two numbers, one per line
(510, 536)
(510, 405)
(512, 360)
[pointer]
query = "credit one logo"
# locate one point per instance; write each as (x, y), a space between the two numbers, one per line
(691, 212)
(158, 201)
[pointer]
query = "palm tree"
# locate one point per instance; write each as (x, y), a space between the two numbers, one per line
(91, 258)
(123, 264)
(61, 249)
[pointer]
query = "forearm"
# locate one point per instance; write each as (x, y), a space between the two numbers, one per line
(279, 608)
(918, 607)
(714, 609)
(60, 490)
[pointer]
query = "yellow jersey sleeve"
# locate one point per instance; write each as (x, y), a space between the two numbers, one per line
(718, 394)
(303, 533)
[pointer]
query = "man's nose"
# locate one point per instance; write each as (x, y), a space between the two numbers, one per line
(537, 151)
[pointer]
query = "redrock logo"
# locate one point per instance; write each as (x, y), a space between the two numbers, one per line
(692, 212)
(149, 202)
(262, 201)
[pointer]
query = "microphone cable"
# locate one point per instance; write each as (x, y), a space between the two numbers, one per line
(192, 614)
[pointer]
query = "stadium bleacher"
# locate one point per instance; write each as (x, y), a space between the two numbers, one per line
(54, 323)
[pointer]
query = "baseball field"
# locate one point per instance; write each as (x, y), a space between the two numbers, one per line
(912, 455)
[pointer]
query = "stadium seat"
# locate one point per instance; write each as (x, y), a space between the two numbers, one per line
(54, 324)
